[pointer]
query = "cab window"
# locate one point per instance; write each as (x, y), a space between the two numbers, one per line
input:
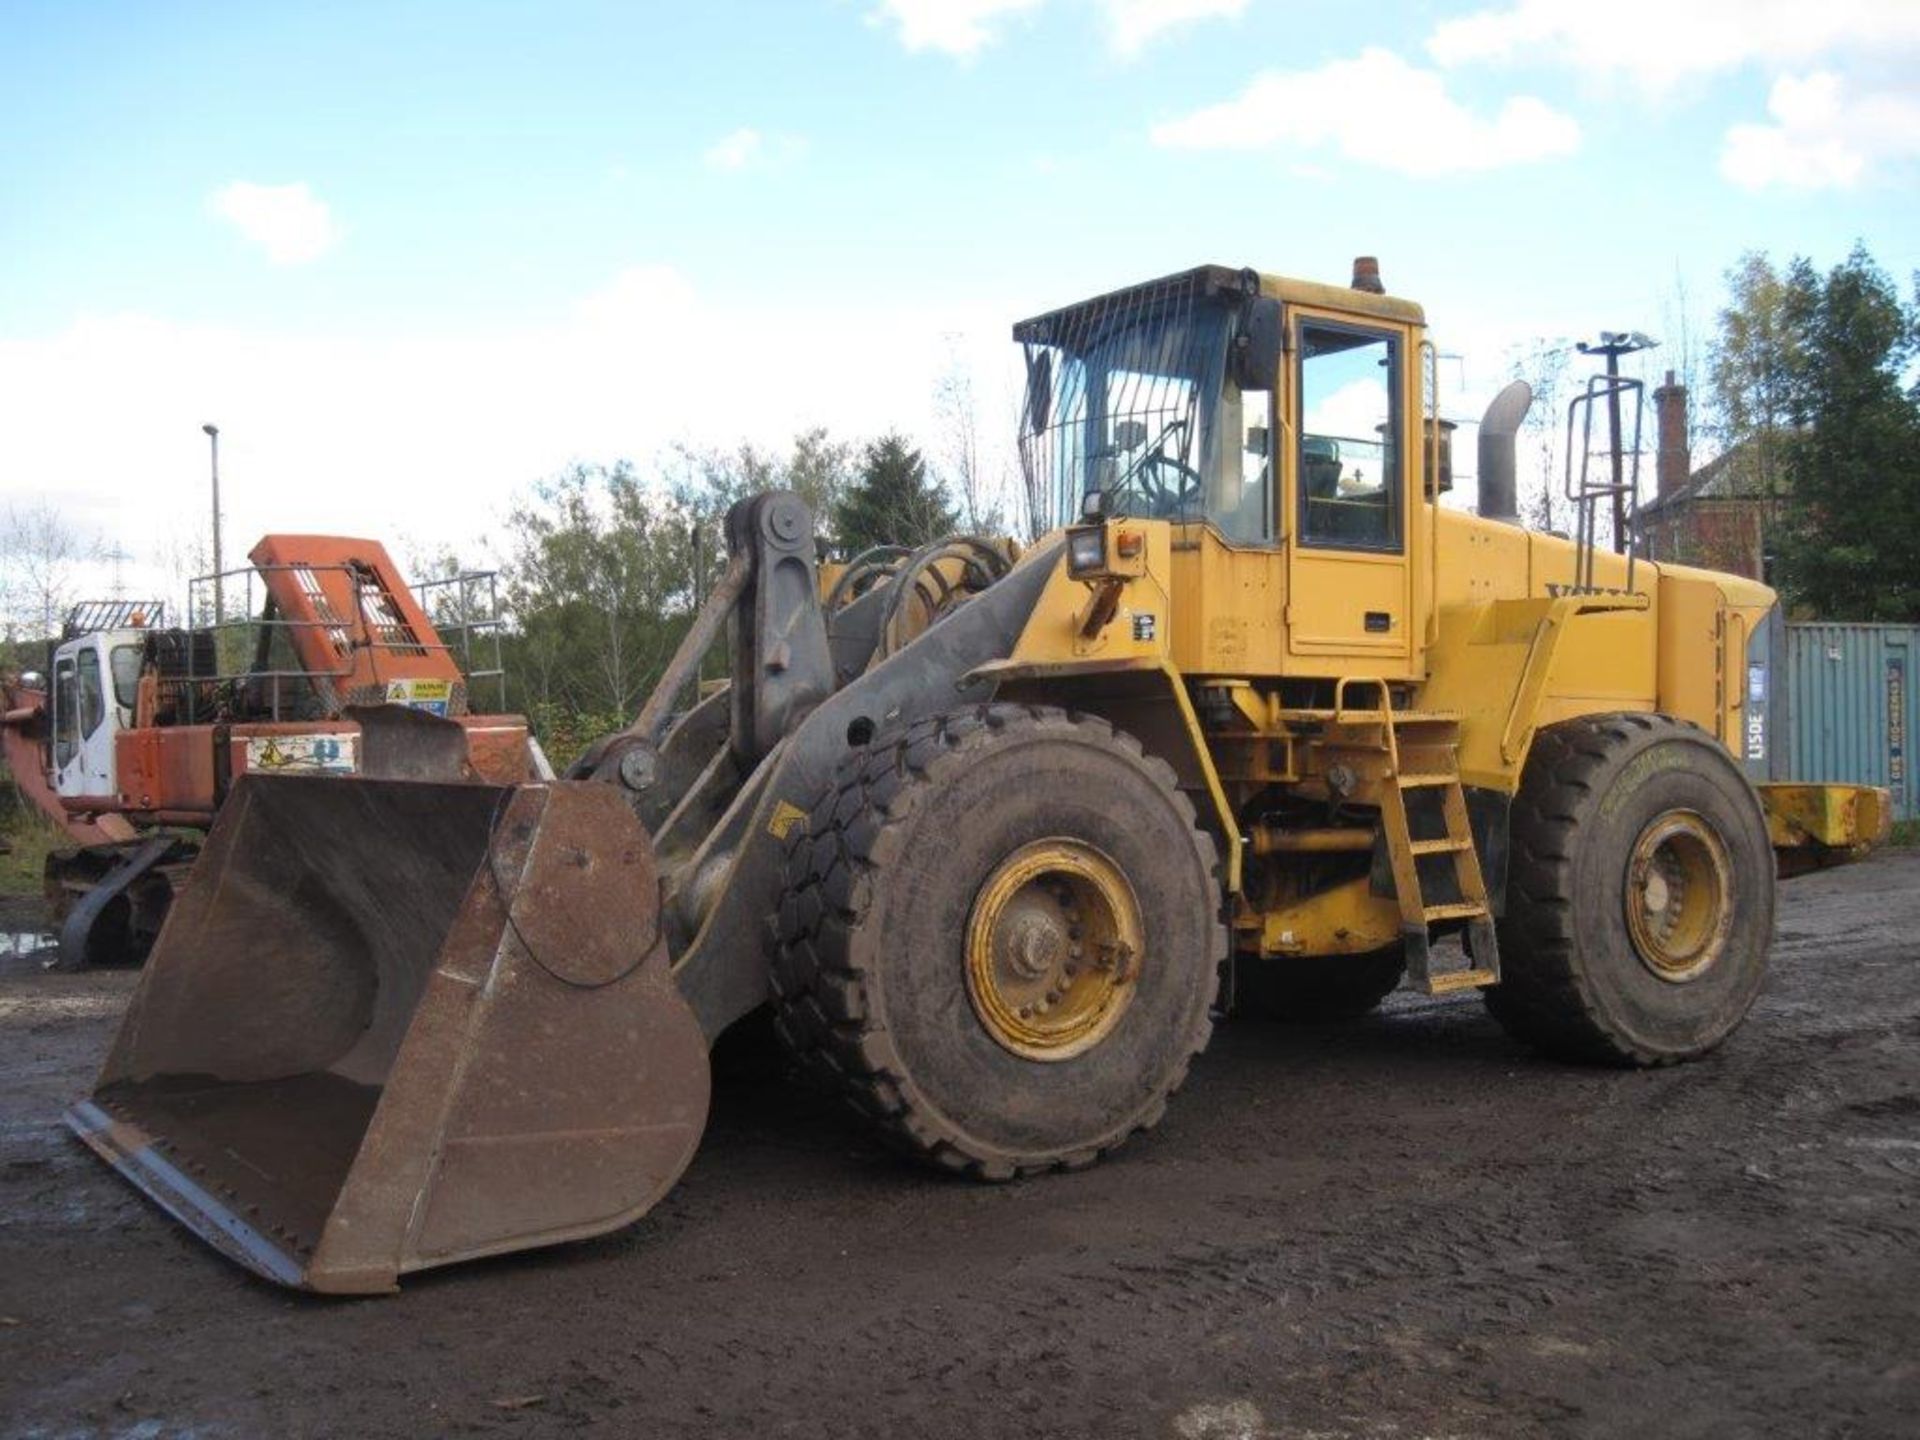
(125, 661)
(66, 713)
(93, 704)
(1241, 502)
(1350, 456)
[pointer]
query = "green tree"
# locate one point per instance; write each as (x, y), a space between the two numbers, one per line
(608, 566)
(1753, 368)
(600, 589)
(1848, 546)
(818, 469)
(894, 501)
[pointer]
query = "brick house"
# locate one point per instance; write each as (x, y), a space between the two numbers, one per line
(1715, 516)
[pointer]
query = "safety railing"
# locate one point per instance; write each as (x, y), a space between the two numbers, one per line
(243, 656)
(465, 609)
(1620, 481)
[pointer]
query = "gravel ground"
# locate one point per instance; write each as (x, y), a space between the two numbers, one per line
(1406, 1227)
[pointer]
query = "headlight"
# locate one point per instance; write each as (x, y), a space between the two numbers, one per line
(1086, 550)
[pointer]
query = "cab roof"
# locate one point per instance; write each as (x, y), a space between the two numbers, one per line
(1219, 281)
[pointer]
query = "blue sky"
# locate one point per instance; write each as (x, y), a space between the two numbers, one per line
(412, 256)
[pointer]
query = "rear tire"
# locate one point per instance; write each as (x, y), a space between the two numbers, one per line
(1318, 989)
(1639, 905)
(925, 871)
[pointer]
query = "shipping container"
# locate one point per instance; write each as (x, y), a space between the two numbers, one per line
(1841, 705)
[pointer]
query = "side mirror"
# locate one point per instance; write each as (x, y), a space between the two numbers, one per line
(1129, 434)
(1256, 349)
(1039, 390)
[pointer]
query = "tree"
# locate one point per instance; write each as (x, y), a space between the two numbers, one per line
(894, 501)
(980, 483)
(40, 558)
(1542, 363)
(608, 567)
(600, 588)
(1849, 544)
(819, 470)
(1752, 367)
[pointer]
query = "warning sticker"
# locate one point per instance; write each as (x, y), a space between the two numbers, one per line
(304, 754)
(785, 816)
(431, 696)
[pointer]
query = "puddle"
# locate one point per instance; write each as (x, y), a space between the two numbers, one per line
(23, 952)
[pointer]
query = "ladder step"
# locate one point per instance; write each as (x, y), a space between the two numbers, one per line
(1425, 779)
(1449, 981)
(1460, 910)
(1449, 846)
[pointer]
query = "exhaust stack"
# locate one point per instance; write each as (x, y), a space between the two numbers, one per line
(1499, 490)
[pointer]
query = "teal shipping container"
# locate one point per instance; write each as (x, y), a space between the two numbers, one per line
(1842, 705)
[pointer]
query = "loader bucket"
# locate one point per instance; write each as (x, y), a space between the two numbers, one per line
(393, 1024)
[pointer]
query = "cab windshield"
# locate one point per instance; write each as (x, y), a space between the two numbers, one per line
(1131, 396)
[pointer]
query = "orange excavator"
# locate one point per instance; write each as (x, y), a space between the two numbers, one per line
(133, 737)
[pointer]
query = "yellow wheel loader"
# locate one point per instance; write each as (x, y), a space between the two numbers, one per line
(1254, 725)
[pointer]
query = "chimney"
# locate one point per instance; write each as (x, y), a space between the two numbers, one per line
(1673, 463)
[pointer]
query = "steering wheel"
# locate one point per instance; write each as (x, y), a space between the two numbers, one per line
(1168, 495)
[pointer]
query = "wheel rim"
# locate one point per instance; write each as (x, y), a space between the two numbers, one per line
(1679, 896)
(1053, 949)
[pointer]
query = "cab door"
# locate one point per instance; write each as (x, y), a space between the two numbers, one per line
(83, 722)
(1349, 586)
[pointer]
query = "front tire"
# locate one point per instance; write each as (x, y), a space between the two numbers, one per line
(1001, 939)
(1640, 893)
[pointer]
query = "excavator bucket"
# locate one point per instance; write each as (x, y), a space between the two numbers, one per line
(392, 1024)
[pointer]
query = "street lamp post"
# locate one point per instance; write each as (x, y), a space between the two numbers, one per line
(213, 441)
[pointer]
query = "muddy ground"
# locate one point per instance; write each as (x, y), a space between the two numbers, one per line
(1404, 1227)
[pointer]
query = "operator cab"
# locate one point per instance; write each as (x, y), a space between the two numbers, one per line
(1156, 399)
(95, 681)
(1280, 420)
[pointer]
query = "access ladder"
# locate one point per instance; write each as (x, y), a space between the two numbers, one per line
(1432, 738)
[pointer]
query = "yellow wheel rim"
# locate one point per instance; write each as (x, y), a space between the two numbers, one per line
(1053, 949)
(1679, 895)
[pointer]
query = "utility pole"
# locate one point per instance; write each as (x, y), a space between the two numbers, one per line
(213, 441)
(1613, 344)
(119, 557)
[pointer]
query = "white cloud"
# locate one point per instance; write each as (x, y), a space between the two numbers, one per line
(640, 298)
(1131, 24)
(747, 148)
(430, 435)
(1826, 135)
(1657, 43)
(737, 150)
(962, 28)
(287, 222)
(1378, 110)
(958, 27)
